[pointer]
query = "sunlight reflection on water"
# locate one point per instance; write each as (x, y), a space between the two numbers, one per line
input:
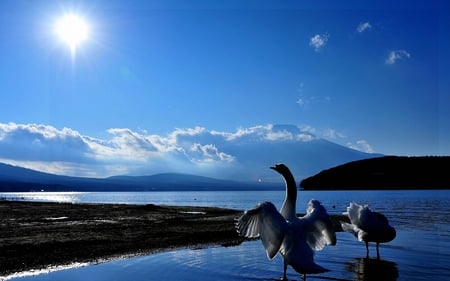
(60, 197)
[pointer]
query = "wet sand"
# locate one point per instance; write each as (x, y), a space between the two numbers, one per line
(35, 235)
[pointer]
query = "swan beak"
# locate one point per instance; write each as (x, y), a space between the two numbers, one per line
(277, 167)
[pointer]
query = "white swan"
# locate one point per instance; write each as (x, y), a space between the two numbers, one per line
(295, 238)
(368, 226)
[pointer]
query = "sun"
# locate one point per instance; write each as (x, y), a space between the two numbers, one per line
(72, 30)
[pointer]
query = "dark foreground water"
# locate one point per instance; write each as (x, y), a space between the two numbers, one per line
(421, 250)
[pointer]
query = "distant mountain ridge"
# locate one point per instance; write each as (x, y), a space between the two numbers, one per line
(18, 179)
(387, 172)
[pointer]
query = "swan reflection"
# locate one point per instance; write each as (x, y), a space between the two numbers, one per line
(368, 269)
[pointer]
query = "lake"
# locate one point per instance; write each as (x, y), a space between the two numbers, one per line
(421, 250)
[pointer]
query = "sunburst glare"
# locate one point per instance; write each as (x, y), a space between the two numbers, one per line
(72, 30)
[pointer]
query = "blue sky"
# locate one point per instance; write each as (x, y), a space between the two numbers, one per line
(374, 77)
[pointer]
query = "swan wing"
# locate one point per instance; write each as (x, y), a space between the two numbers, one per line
(321, 236)
(353, 229)
(362, 217)
(266, 222)
(318, 226)
(357, 213)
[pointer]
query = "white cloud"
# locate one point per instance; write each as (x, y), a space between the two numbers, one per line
(333, 134)
(41, 142)
(300, 101)
(361, 145)
(308, 129)
(396, 55)
(303, 100)
(318, 41)
(305, 137)
(255, 132)
(204, 154)
(363, 27)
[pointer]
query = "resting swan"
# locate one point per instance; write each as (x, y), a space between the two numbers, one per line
(295, 238)
(368, 226)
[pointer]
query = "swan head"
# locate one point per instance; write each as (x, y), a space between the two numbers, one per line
(281, 168)
(286, 174)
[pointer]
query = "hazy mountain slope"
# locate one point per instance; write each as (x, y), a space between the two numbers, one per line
(303, 158)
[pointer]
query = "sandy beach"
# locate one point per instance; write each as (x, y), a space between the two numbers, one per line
(36, 235)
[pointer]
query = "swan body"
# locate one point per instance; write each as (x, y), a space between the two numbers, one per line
(368, 226)
(295, 238)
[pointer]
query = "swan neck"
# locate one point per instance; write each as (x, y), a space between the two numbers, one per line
(290, 201)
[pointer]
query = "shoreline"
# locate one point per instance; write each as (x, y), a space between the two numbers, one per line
(40, 235)
(37, 235)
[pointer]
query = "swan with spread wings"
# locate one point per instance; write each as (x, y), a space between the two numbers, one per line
(295, 238)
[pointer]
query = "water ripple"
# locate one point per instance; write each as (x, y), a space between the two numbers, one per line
(420, 251)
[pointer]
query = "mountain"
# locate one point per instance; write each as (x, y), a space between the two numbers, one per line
(18, 179)
(252, 157)
(304, 158)
(387, 172)
(244, 155)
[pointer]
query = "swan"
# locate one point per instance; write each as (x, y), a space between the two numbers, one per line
(368, 226)
(293, 237)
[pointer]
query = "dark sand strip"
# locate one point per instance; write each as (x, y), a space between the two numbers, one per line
(35, 235)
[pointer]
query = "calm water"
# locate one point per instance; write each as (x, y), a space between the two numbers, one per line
(421, 250)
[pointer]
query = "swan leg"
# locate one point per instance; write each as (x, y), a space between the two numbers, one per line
(378, 250)
(284, 272)
(367, 249)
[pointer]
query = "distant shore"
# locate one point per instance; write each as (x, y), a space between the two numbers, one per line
(36, 235)
(384, 173)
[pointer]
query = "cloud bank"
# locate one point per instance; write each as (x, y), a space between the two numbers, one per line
(68, 152)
